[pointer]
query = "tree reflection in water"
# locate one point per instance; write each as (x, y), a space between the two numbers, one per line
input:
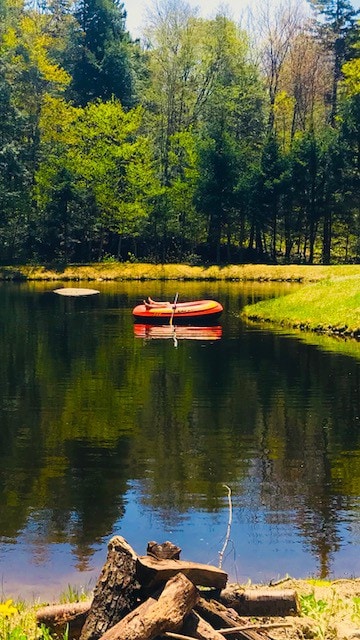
(97, 425)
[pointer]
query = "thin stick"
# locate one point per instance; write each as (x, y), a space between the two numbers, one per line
(221, 553)
(259, 627)
(179, 636)
(229, 630)
(173, 309)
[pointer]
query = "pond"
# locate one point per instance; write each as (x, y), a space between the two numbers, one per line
(105, 430)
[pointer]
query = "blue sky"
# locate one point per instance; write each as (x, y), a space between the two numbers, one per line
(207, 8)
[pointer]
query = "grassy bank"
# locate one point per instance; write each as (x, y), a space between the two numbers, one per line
(146, 271)
(328, 610)
(329, 306)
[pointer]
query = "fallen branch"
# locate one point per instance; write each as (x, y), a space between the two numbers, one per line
(258, 627)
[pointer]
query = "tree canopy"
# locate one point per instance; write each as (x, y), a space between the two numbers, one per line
(203, 141)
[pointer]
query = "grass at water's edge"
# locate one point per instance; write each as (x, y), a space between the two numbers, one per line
(329, 306)
(328, 610)
(147, 271)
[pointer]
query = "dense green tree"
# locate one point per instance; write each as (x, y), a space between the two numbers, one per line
(96, 153)
(101, 54)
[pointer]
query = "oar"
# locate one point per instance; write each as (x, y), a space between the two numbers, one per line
(173, 309)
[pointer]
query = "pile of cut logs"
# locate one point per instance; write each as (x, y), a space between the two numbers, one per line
(159, 595)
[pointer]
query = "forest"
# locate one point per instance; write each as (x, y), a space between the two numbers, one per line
(203, 141)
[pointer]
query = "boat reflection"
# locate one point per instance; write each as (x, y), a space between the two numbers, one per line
(179, 332)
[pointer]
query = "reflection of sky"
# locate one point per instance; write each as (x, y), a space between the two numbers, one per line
(259, 549)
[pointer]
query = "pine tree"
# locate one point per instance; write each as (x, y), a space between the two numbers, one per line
(336, 27)
(102, 56)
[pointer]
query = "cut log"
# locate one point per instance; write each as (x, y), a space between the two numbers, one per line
(196, 627)
(164, 551)
(117, 591)
(59, 616)
(260, 602)
(154, 617)
(151, 572)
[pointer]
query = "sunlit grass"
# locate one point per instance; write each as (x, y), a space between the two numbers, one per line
(330, 305)
(18, 622)
(112, 270)
(74, 594)
(18, 619)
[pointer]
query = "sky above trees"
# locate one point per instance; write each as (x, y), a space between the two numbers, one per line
(136, 10)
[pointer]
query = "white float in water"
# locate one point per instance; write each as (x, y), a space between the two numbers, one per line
(75, 291)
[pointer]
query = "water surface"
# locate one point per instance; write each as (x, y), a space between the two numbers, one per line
(103, 432)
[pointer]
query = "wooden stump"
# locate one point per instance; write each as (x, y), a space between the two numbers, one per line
(117, 591)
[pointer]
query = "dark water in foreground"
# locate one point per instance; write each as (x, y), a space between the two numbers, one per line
(103, 432)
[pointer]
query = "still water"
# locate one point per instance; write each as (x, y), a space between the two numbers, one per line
(106, 430)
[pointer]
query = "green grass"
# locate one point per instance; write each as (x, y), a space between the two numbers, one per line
(331, 305)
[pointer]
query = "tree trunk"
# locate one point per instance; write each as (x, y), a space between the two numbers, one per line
(117, 591)
(326, 253)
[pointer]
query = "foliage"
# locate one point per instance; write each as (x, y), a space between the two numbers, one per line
(241, 149)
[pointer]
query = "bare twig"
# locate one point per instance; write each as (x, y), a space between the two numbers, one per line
(258, 627)
(221, 553)
(229, 630)
(178, 636)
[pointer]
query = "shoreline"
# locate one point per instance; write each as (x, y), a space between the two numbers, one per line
(184, 272)
(328, 314)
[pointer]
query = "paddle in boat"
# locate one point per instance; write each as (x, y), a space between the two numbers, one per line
(152, 311)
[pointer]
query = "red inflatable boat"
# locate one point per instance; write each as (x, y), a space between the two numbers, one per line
(198, 310)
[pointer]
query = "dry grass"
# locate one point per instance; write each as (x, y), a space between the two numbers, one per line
(147, 271)
(329, 610)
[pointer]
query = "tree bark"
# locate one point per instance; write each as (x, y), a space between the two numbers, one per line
(117, 591)
(154, 617)
(151, 572)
